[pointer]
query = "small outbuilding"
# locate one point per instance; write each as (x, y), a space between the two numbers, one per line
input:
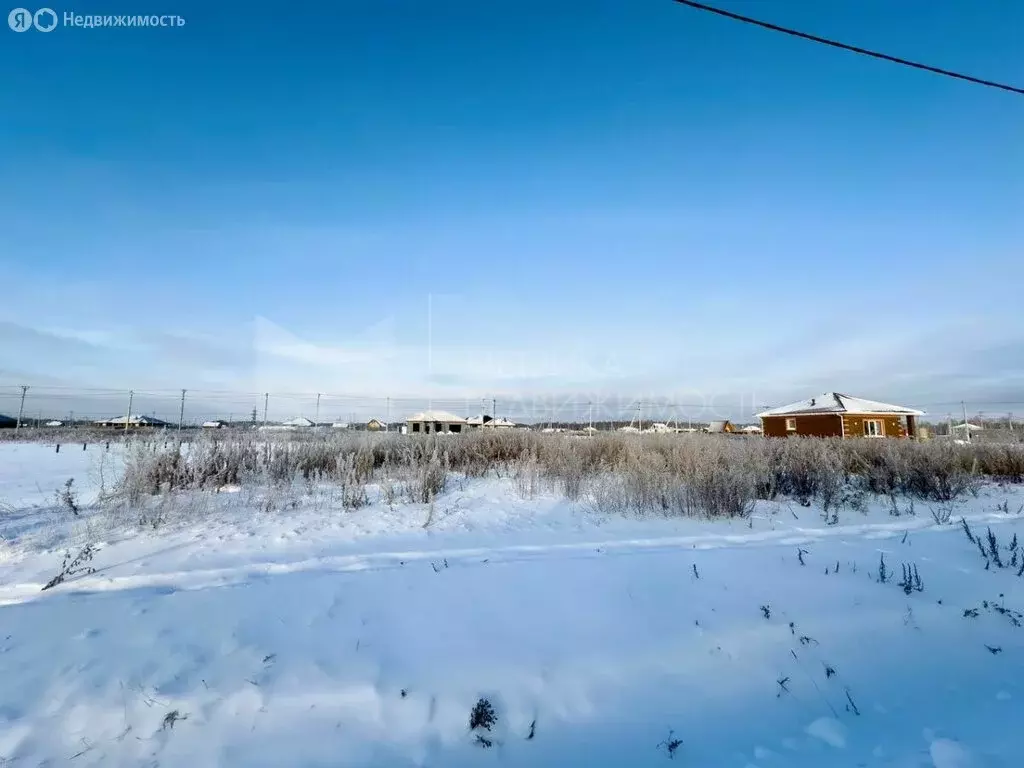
(376, 425)
(836, 415)
(720, 427)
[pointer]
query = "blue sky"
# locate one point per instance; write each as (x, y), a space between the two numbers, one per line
(465, 198)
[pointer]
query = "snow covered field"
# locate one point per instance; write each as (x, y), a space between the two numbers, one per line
(271, 628)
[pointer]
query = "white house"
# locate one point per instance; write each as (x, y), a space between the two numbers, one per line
(133, 421)
(300, 421)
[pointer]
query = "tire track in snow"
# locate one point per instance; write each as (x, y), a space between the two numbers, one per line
(194, 579)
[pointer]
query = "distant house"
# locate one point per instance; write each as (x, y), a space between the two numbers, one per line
(300, 422)
(967, 428)
(132, 422)
(54, 423)
(434, 422)
(660, 428)
(339, 425)
(6, 422)
(629, 428)
(751, 429)
(836, 415)
(483, 420)
(215, 424)
(720, 427)
(376, 425)
(500, 423)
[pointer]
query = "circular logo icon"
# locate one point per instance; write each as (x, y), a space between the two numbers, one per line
(45, 20)
(20, 19)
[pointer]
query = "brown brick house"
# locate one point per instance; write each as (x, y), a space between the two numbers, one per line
(836, 415)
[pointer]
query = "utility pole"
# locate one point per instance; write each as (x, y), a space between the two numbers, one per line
(128, 418)
(21, 408)
(266, 403)
(494, 408)
(387, 414)
(950, 427)
(317, 419)
(181, 411)
(590, 420)
(639, 418)
(967, 430)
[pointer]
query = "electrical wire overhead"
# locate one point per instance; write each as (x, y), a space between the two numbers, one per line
(851, 48)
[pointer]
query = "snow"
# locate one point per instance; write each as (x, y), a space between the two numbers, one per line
(833, 402)
(270, 627)
(441, 416)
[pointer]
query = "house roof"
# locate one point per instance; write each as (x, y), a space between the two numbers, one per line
(479, 419)
(719, 426)
(134, 420)
(969, 427)
(501, 421)
(442, 416)
(834, 402)
(300, 421)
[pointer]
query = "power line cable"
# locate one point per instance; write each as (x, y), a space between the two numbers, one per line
(851, 48)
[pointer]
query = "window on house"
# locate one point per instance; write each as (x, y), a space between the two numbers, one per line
(873, 428)
(415, 426)
(791, 425)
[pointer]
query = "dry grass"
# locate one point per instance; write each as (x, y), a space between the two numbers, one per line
(684, 475)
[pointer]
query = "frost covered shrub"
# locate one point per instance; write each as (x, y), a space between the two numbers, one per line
(809, 469)
(689, 475)
(428, 480)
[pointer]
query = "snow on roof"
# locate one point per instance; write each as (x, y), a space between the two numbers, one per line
(969, 427)
(134, 420)
(501, 421)
(478, 420)
(300, 421)
(834, 402)
(442, 416)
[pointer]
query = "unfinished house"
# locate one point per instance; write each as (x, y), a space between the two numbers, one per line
(435, 423)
